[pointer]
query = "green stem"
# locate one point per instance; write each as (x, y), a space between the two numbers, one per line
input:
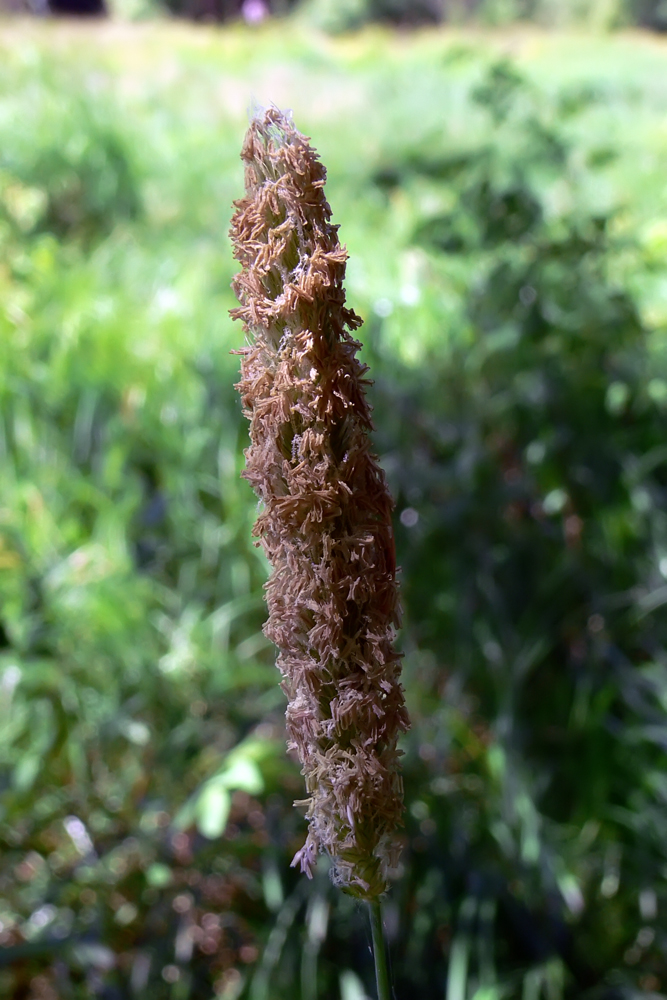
(379, 952)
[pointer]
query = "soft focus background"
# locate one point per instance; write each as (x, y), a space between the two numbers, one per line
(502, 189)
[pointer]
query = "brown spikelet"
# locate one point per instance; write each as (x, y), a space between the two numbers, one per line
(326, 520)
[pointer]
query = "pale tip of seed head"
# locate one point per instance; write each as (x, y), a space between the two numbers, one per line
(255, 110)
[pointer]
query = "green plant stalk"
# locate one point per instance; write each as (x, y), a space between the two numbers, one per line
(379, 951)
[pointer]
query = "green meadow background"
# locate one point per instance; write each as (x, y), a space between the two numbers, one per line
(503, 197)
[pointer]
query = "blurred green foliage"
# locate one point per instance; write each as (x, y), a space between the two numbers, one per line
(507, 226)
(341, 16)
(338, 16)
(348, 15)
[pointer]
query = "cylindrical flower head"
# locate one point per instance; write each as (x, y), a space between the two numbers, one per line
(326, 519)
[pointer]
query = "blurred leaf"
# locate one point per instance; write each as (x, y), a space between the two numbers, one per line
(212, 809)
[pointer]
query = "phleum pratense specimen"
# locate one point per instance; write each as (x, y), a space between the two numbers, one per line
(326, 510)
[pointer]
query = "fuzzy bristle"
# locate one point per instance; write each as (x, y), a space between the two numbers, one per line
(326, 520)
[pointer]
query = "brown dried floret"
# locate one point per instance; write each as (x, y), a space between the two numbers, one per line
(326, 520)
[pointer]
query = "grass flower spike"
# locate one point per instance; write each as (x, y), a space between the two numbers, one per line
(326, 510)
